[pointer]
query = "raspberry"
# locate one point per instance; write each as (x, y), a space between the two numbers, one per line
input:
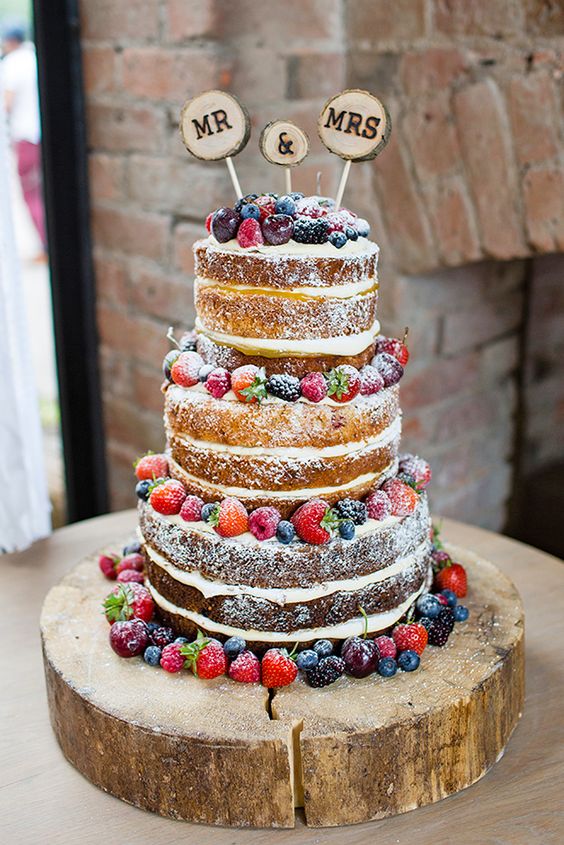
(171, 658)
(394, 346)
(440, 557)
(108, 565)
(191, 510)
(352, 509)
(308, 231)
(328, 670)
(161, 636)
(338, 221)
(185, 369)
(418, 468)
(132, 561)
(343, 383)
(389, 368)
(314, 387)
(278, 229)
(130, 576)
(130, 638)
(309, 207)
(205, 657)
(284, 387)
(378, 505)
(151, 466)
(370, 380)
(403, 498)
(263, 522)
(250, 233)
(218, 383)
(249, 383)
(386, 646)
(129, 600)
(245, 668)
(278, 670)
(167, 496)
(411, 637)
(441, 627)
(314, 522)
(229, 518)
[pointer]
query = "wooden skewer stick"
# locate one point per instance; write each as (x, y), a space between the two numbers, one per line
(233, 174)
(288, 179)
(342, 183)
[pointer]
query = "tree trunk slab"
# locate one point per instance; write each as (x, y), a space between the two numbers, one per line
(223, 753)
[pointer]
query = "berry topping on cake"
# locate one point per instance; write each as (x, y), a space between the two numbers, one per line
(171, 658)
(130, 576)
(234, 646)
(229, 517)
(394, 346)
(315, 521)
(371, 380)
(151, 466)
(250, 211)
(452, 576)
(417, 468)
(352, 509)
(351, 233)
(339, 221)
(403, 498)
(205, 657)
(224, 224)
(161, 635)
(386, 646)
(209, 219)
(167, 496)
(246, 200)
(310, 231)
(250, 233)
(108, 565)
(204, 372)
(128, 639)
(187, 341)
(328, 670)
(186, 368)
(208, 509)
(267, 206)
(310, 207)
(278, 229)
(360, 656)
(168, 361)
(343, 383)
(249, 383)
(218, 382)
(408, 660)
(135, 560)
(450, 597)
(278, 670)
(286, 205)
(285, 532)
(362, 227)
(307, 659)
(191, 510)
(245, 668)
(284, 387)
(387, 667)
(143, 489)
(428, 605)
(263, 522)
(314, 387)
(347, 529)
(378, 505)
(411, 636)
(441, 627)
(389, 368)
(323, 648)
(152, 655)
(127, 601)
(338, 239)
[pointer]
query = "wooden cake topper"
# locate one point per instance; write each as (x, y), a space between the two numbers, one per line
(283, 143)
(356, 126)
(215, 125)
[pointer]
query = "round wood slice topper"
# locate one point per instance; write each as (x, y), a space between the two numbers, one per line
(282, 142)
(214, 125)
(355, 125)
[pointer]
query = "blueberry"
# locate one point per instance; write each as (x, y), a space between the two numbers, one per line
(204, 372)
(362, 227)
(450, 597)
(234, 646)
(428, 605)
(169, 360)
(387, 667)
(347, 529)
(152, 626)
(408, 660)
(285, 205)
(307, 659)
(248, 198)
(181, 640)
(207, 510)
(338, 239)
(142, 489)
(296, 195)
(152, 655)
(351, 233)
(250, 210)
(133, 548)
(461, 613)
(323, 648)
(285, 532)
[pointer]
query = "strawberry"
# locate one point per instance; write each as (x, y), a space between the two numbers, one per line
(167, 496)
(452, 576)
(151, 466)
(267, 206)
(185, 369)
(418, 468)
(249, 233)
(278, 670)
(249, 383)
(209, 219)
(132, 561)
(127, 601)
(245, 668)
(229, 517)
(343, 383)
(108, 565)
(394, 346)
(386, 646)
(315, 521)
(412, 637)
(403, 498)
(205, 657)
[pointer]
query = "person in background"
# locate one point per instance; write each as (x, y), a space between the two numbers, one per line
(19, 81)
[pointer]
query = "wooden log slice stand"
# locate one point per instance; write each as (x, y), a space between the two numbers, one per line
(230, 754)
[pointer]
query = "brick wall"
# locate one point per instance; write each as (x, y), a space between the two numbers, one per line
(464, 195)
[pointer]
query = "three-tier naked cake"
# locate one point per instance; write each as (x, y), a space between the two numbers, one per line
(319, 421)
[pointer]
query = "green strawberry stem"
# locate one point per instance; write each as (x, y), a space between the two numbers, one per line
(331, 520)
(337, 383)
(118, 607)
(191, 651)
(257, 389)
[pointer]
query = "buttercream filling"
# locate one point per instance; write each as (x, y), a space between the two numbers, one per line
(198, 391)
(359, 247)
(352, 627)
(342, 345)
(368, 285)
(290, 595)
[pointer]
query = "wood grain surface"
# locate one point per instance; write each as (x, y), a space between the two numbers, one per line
(43, 799)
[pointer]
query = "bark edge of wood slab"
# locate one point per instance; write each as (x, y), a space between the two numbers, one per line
(220, 753)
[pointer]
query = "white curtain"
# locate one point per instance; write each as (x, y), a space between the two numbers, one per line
(24, 501)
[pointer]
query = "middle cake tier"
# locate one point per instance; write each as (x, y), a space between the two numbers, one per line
(280, 453)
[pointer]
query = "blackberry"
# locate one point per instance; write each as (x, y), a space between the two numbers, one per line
(426, 621)
(328, 670)
(310, 231)
(439, 630)
(352, 509)
(284, 387)
(161, 636)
